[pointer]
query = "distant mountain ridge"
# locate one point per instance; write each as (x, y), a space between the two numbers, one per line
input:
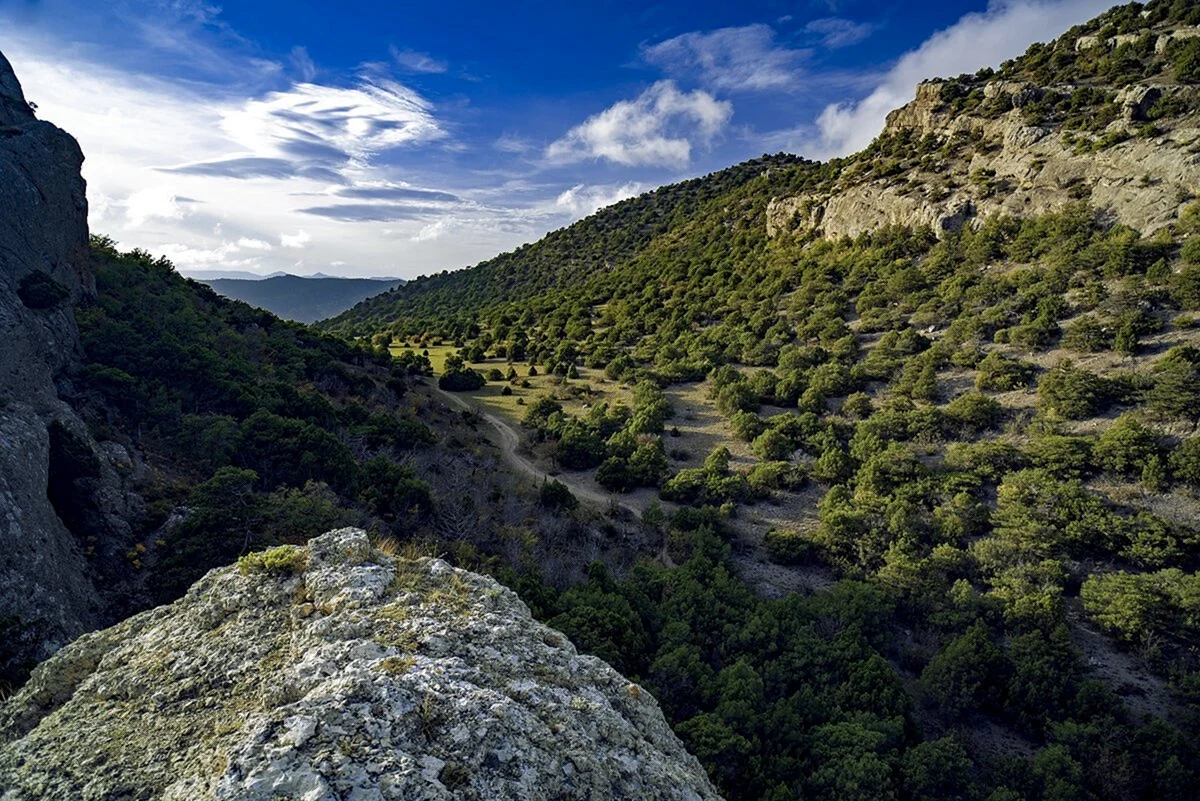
(300, 298)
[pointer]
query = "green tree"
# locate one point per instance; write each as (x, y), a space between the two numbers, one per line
(968, 675)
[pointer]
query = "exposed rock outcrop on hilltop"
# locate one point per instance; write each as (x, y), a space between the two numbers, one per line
(335, 671)
(1004, 155)
(46, 595)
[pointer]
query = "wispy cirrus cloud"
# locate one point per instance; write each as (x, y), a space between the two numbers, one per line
(414, 61)
(658, 128)
(836, 32)
(745, 59)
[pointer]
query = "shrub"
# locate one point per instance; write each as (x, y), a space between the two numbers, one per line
(1065, 457)
(974, 412)
(999, 373)
(557, 495)
(1185, 462)
(1175, 391)
(787, 547)
(37, 290)
(464, 380)
(746, 425)
(285, 560)
(772, 446)
(1073, 393)
(858, 405)
(1088, 335)
(1125, 448)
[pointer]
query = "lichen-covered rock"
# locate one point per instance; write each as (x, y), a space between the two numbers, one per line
(334, 671)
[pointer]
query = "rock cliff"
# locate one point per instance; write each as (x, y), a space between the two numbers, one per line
(336, 671)
(1003, 156)
(46, 595)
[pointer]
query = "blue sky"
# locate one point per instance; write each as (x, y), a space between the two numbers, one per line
(394, 138)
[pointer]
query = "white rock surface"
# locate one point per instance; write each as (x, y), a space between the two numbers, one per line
(361, 677)
(1142, 182)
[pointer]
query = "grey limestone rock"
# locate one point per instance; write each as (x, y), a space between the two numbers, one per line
(337, 672)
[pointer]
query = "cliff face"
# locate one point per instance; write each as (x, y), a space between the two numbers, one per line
(335, 671)
(1007, 163)
(46, 595)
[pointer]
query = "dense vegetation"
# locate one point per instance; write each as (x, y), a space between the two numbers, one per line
(266, 431)
(999, 425)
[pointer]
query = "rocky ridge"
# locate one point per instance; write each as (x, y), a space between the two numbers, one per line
(336, 671)
(46, 594)
(1017, 168)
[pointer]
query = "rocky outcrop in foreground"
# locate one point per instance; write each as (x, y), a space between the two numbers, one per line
(335, 671)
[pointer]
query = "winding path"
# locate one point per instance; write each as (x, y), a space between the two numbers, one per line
(510, 441)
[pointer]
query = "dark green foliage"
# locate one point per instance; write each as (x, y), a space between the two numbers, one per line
(37, 290)
(556, 495)
(973, 413)
(1126, 447)
(1071, 392)
(999, 373)
(968, 675)
(1185, 462)
(787, 547)
(461, 380)
(251, 414)
(1175, 390)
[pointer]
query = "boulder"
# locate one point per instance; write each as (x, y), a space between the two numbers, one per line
(335, 671)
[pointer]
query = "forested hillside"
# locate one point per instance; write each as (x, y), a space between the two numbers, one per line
(262, 429)
(973, 423)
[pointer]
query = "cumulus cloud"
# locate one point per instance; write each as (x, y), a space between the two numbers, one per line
(977, 40)
(296, 240)
(414, 61)
(657, 128)
(434, 230)
(581, 200)
(157, 202)
(742, 59)
(836, 32)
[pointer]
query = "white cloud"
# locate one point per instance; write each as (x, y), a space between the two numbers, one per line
(296, 240)
(836, 32)
(434, 230)
(655, 129)
(733, 59)
(254, 244)
(157, 202)
(413, 61)
(326, 125)
(581, 200)
(977, 40)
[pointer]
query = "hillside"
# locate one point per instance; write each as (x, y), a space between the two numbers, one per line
(956, 372)
(302, 299)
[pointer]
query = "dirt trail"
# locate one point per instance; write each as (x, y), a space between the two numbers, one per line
(510, 441)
